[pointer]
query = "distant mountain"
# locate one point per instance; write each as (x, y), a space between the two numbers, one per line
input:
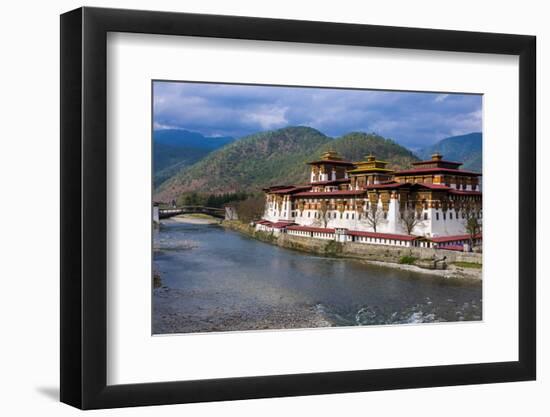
(175, 149)
(180, 137)
(254, 161)
(275, 157)
(464, 148)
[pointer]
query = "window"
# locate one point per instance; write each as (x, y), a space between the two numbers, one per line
(444, 216)
(308, 214)
(437, 216)
(347, 215)
(340, 215)
(451, 216)
(425, 216)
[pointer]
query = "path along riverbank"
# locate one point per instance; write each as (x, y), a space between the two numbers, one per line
(467, 266)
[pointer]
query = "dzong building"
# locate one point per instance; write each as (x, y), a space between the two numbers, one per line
(432, 204)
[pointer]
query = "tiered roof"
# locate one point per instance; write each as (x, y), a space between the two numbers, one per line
(436, 164)
(371, 165)
(437, 161)
(432, 170)
(331, 157)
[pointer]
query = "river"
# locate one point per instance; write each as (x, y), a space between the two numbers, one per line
(218, 280)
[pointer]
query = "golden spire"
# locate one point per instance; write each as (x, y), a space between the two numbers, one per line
(330, 155)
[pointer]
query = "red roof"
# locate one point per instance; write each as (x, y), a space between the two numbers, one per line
(431, 170)
(443, 239)
(459, 248)
(431, 186)
(264, 222)
(381, 235)
(281, 225)
(330, 193)
(340, 181)
(464, 192)
(311, 229)
(277, 187)
(384, 185)
(290, 190)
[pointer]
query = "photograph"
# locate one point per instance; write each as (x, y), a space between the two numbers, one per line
(297, 207)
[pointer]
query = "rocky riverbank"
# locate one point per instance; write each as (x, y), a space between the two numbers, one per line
(458, 265)
(184, 311)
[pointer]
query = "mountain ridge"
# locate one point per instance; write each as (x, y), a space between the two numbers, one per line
(175, 149)
(462, 148)
(276, 157)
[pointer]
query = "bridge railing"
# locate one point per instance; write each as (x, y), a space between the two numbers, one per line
(191, 208)
(167, 212)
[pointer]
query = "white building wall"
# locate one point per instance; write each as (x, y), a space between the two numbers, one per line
(429, 225)
(273, 214)
(446, 226)
(393, 221)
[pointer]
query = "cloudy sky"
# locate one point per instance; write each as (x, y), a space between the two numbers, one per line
(411, 119)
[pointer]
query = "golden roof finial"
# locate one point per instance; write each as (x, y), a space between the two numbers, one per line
(437, 156)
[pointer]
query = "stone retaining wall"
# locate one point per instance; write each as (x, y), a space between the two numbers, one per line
(365, 251)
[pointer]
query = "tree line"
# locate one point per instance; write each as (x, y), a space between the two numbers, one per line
(210, 200)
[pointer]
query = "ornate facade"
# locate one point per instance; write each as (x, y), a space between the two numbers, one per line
(427, 205)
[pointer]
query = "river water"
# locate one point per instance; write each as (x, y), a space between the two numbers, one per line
(218, 280)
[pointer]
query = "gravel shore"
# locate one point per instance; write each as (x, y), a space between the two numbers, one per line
(452, 271)
(181, 311)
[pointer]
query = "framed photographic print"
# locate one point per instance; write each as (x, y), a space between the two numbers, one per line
(258, 207)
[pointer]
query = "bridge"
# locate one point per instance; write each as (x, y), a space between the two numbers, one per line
(165, 213)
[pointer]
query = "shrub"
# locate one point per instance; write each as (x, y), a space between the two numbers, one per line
(333, 248)
(407, 260)
(468, 265)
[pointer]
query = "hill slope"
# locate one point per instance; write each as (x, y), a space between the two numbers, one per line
(356, 145)
(252, 162)
(275, 157)
(174, 150)
(463, 148)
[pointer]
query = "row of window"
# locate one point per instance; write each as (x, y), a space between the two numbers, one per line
(419, 216)
(379, 240)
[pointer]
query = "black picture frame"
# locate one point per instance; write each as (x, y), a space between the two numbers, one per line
(84, 207)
